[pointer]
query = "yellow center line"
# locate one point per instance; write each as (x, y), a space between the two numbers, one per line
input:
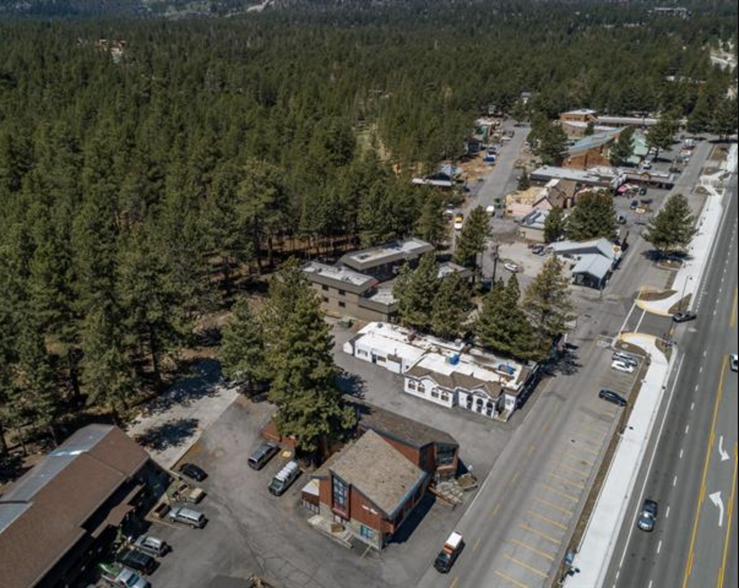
(730, 512)
(526, 566)
(732, 322)
(546, 519)
(532, 549)
(706, 463)
(544, 536)
(513, 581)
(568, 481)
(574, 470)
(563, 494)
(514, 478)
(494, 510)
(554, 506)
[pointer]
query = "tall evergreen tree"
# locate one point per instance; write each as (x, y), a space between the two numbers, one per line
(552, 146)
(311, 407)
(524, 182)
(593, 217)
(622, 148)
(555, 225)
(432, 226)
(473, 238)
(724, 120)
(548, 304)
(416, 292)
(451, 307)
(502, 326)
(699, 119)
(242, 352)
(661, 135)
(673, 228)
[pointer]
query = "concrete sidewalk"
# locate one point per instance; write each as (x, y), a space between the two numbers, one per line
(171, 423)
(600, 537)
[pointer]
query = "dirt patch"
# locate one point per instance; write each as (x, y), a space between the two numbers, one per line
(653, 296)
(664, 347)
(669, 264)
(681, 306)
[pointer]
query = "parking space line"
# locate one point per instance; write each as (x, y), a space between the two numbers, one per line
(547, 520)
(530, 450)
(532, 549)
(588, 450)
(571, 497)
(495, 509)
(454, 583)
(525, 566)
(573, 455)
(366, 551)
(554, 506)
(574, 470)
(568, 481)
(476, 545)
(544, 536)
(513, 581)
(514, 478)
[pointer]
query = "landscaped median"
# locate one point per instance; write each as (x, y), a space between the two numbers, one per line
(596, 548)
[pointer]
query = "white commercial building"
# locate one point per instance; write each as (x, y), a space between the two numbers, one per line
(450, 374)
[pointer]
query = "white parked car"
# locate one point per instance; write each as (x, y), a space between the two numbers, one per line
(512, 267)
(621, 366)
(490, 210)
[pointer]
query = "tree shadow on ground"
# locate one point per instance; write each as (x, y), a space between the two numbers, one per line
(352, 385)
(203, 381)
(169, 434)
(565, 364)
(11, 467)
(414, 519)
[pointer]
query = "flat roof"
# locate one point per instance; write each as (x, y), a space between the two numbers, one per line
(384, 254)
(339, 274)
(594, 141)
(601, 246)
(593, 264)
(564, 173)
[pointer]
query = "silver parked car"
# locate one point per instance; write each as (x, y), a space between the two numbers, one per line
(152, 545)
(187, 516)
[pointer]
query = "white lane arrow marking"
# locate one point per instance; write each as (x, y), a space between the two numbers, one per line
(724, 454)
(716, 499)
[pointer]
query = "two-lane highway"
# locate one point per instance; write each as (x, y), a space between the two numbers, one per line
(694, 470)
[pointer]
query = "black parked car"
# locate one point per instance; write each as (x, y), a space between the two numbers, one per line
(138, 561)
(684, 317)
(192, 471)
(611, 396)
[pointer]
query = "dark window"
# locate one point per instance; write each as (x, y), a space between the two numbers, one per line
(342, 304)
(445, 455)
(324, 288)
(325, 299)
(342, 293)
(340, 494)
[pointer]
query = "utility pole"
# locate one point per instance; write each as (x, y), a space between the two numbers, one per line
(495, 255)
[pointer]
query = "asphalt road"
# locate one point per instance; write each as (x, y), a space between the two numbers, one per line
(692, 465)
(520, 523)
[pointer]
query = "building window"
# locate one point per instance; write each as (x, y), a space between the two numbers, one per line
(325, 299)
(342, 293)
(434, 392)
(324, 288)
(366, 532)
(421, 388)
(342, 304)
(340, 494)
(445, 396)
(445, 455)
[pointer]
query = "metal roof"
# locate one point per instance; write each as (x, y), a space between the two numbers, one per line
(594, 265)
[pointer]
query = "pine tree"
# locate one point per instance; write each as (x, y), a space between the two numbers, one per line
(673, 228)
(108, 376)
(552, 146)
(502, 326)
(555, 225)
(524, 182)
(242, 351)
(593, 217)
(724, 120)
(432, 226)
(660, 136)
(590, 129)
(473, 238)
(416, 291)
(310, 405)
(622, 148)
(548, 304)
(699, 119)
(451, 306)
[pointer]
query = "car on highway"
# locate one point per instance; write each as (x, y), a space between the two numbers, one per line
(512, 267)
(684, 316)
(611, 396)
(648, 516)
(734, 362)
(458, 222)
(625, 358)
(623, 367)
(192, 471)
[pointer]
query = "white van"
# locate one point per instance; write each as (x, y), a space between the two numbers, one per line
(284, 478)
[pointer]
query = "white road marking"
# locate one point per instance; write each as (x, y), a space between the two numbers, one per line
(650, 583)
(718, 501)
(692, 404)
(667, 514)
(687, 428)
(659, 546)
(724, 454)
(681, 453)
(674, 481)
